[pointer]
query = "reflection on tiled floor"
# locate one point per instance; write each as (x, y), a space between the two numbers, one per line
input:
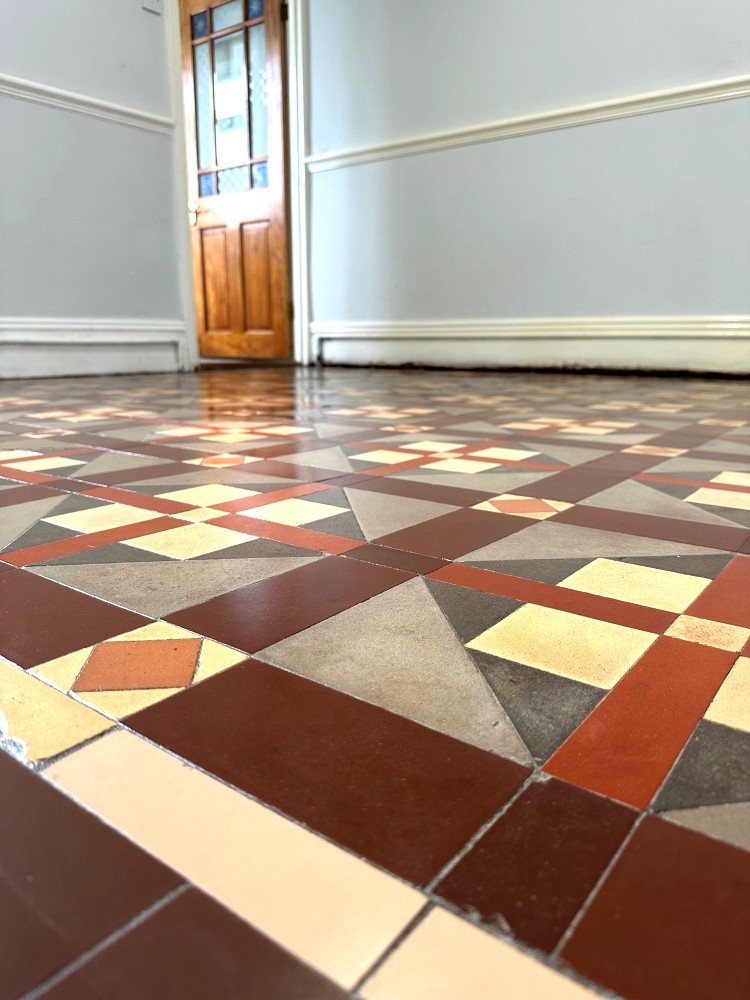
(388, 685)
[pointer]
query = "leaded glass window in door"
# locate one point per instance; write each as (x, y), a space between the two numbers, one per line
(231, 97)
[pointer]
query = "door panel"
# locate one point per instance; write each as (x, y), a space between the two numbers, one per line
(256, 270)
(234, 105)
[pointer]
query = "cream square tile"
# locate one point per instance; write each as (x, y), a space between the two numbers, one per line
(656, 588)
(181, 431)
(154, 630)
(447, 958)
(198, 514)
(586, 429)
(708, 633)
(294, 512)
(16, 456)
(209, 495)
(233, 437)
(45, 719)
(190, 540)
(111, 515)
(720, 498)
(326, 906)
(40, 464)
(383, 457)
(432, 446)
(583, 649)
(63, 671)
(508, 454)
(284, 430)
(461, 465)
(120, 704)
(731, 706)
(733, 478)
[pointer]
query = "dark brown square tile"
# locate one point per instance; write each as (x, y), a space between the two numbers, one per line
(66, 879)
(41, 620)
(535, 866)
(194, 949)
(410, 562)
(671, 920)
(402, 795)
(263, 613)
(455, 534)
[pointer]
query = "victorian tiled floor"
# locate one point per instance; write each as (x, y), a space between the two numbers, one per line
(386, 685)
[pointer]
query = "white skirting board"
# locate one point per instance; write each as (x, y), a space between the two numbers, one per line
(707, 344)
(44, 348)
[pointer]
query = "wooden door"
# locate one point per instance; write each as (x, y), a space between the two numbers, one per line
(233, 55)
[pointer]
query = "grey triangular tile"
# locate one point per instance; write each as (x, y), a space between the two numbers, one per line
(160, 588)
(730, 823)
(470, 611)
(16, 519)
(541, 570)
(638, 498)
(570, 541)
(380, 514)
(544, 708)
(398, 651)
(714, 769)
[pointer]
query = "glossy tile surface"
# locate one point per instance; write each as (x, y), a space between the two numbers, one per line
(390, 664)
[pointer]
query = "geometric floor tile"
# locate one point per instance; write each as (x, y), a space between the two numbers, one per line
(535, 885)
(161, 588)
(47, 842)
(140, 668)
(397, 651)
(655, 588)
(102, 518)
(709, 633)
(294, 512)
(156, 959)
(544, 707)
(531, 507)
(506, 611)
(41, 717)
(189, 541)
(71, 620)
(446, 958)
(347, 758)
(730, 823)
(304, 892)
(731, 706)
(582, 649)
(713, 769)
(671, 919)
(207, 496)
(378, 514)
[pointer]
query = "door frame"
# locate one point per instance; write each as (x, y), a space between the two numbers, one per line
(297, 181)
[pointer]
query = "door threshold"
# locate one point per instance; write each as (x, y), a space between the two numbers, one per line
(214, 363)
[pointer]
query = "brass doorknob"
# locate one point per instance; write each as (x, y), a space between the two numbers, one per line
(194, 208)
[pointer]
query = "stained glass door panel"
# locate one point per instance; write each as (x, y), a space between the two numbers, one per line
(233, 80)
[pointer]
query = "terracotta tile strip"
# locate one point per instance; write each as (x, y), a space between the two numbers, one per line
(575, 602)
(27, 494)
(248, 503)
(141, 500)
(305, 538)
(20, 476)
(626, 747)
(714, 536)
(727, 598)
(649, 477)
(80, 543)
